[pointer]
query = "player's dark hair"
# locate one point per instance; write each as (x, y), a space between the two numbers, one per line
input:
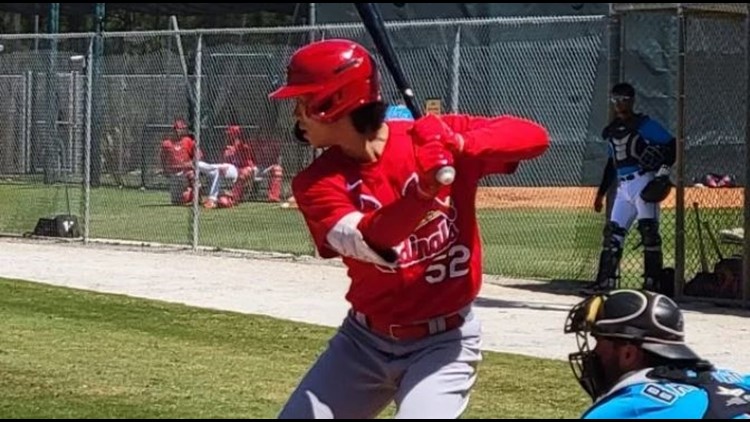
(625, 89)
(369, 117)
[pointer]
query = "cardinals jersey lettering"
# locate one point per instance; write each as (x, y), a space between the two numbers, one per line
(437, 269)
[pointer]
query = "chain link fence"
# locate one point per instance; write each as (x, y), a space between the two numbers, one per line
(695, 81)
(716, 110)
(651, 67)
(537, 223)
(547, 69)
(41, 127)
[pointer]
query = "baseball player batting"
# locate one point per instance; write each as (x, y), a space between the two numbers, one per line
(641, 152)
(411, 245)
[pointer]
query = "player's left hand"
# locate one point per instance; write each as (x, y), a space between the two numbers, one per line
(432, 128)
(599, 203)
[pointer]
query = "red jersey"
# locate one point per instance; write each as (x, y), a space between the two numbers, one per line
(438, 269)
(240, 154)
(174, 155)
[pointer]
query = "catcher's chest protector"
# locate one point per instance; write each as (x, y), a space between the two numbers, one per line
(626, 142)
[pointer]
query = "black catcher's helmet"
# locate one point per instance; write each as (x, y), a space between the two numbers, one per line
(651, 320)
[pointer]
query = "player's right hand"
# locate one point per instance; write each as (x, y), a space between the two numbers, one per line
(599, 203)
(435, 144)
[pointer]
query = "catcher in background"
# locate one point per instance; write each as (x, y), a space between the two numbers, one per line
(641, 153)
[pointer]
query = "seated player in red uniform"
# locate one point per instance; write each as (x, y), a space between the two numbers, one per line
(176, 155)
(239, 153)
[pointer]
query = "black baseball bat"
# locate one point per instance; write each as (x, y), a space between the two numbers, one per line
(373, 21)
(712, 238)
(702, 251)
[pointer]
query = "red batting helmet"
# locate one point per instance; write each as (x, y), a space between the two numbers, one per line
(338, 74)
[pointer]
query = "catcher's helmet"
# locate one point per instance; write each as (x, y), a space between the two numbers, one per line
(339, 75)
(651, 320)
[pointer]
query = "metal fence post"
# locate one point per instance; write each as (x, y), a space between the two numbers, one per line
(614, 51)
(53, 149)
(746, 233)
(312, 12)
(87, 146)
(456, 85)
(28, 120)
(98, 64)
(680, 159)
(198, 121)
(69, 154)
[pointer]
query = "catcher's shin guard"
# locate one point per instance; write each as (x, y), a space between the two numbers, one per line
(609, 258)
(609, 265)
(652, 253)
(652, 266)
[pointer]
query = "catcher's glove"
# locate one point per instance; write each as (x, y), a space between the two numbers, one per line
(657, 190)
(651, 158)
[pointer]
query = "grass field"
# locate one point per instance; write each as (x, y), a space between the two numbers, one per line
(72, 354)
(544, 243)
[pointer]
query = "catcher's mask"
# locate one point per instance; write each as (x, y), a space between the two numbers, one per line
(650, 320)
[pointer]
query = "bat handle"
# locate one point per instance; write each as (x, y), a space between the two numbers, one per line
(446, 175)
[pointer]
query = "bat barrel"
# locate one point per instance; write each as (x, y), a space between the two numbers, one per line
(373, 21)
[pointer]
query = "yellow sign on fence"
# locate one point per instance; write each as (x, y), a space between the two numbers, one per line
(433, 106)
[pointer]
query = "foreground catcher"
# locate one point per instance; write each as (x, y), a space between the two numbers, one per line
(641, 367)
(411, 246)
